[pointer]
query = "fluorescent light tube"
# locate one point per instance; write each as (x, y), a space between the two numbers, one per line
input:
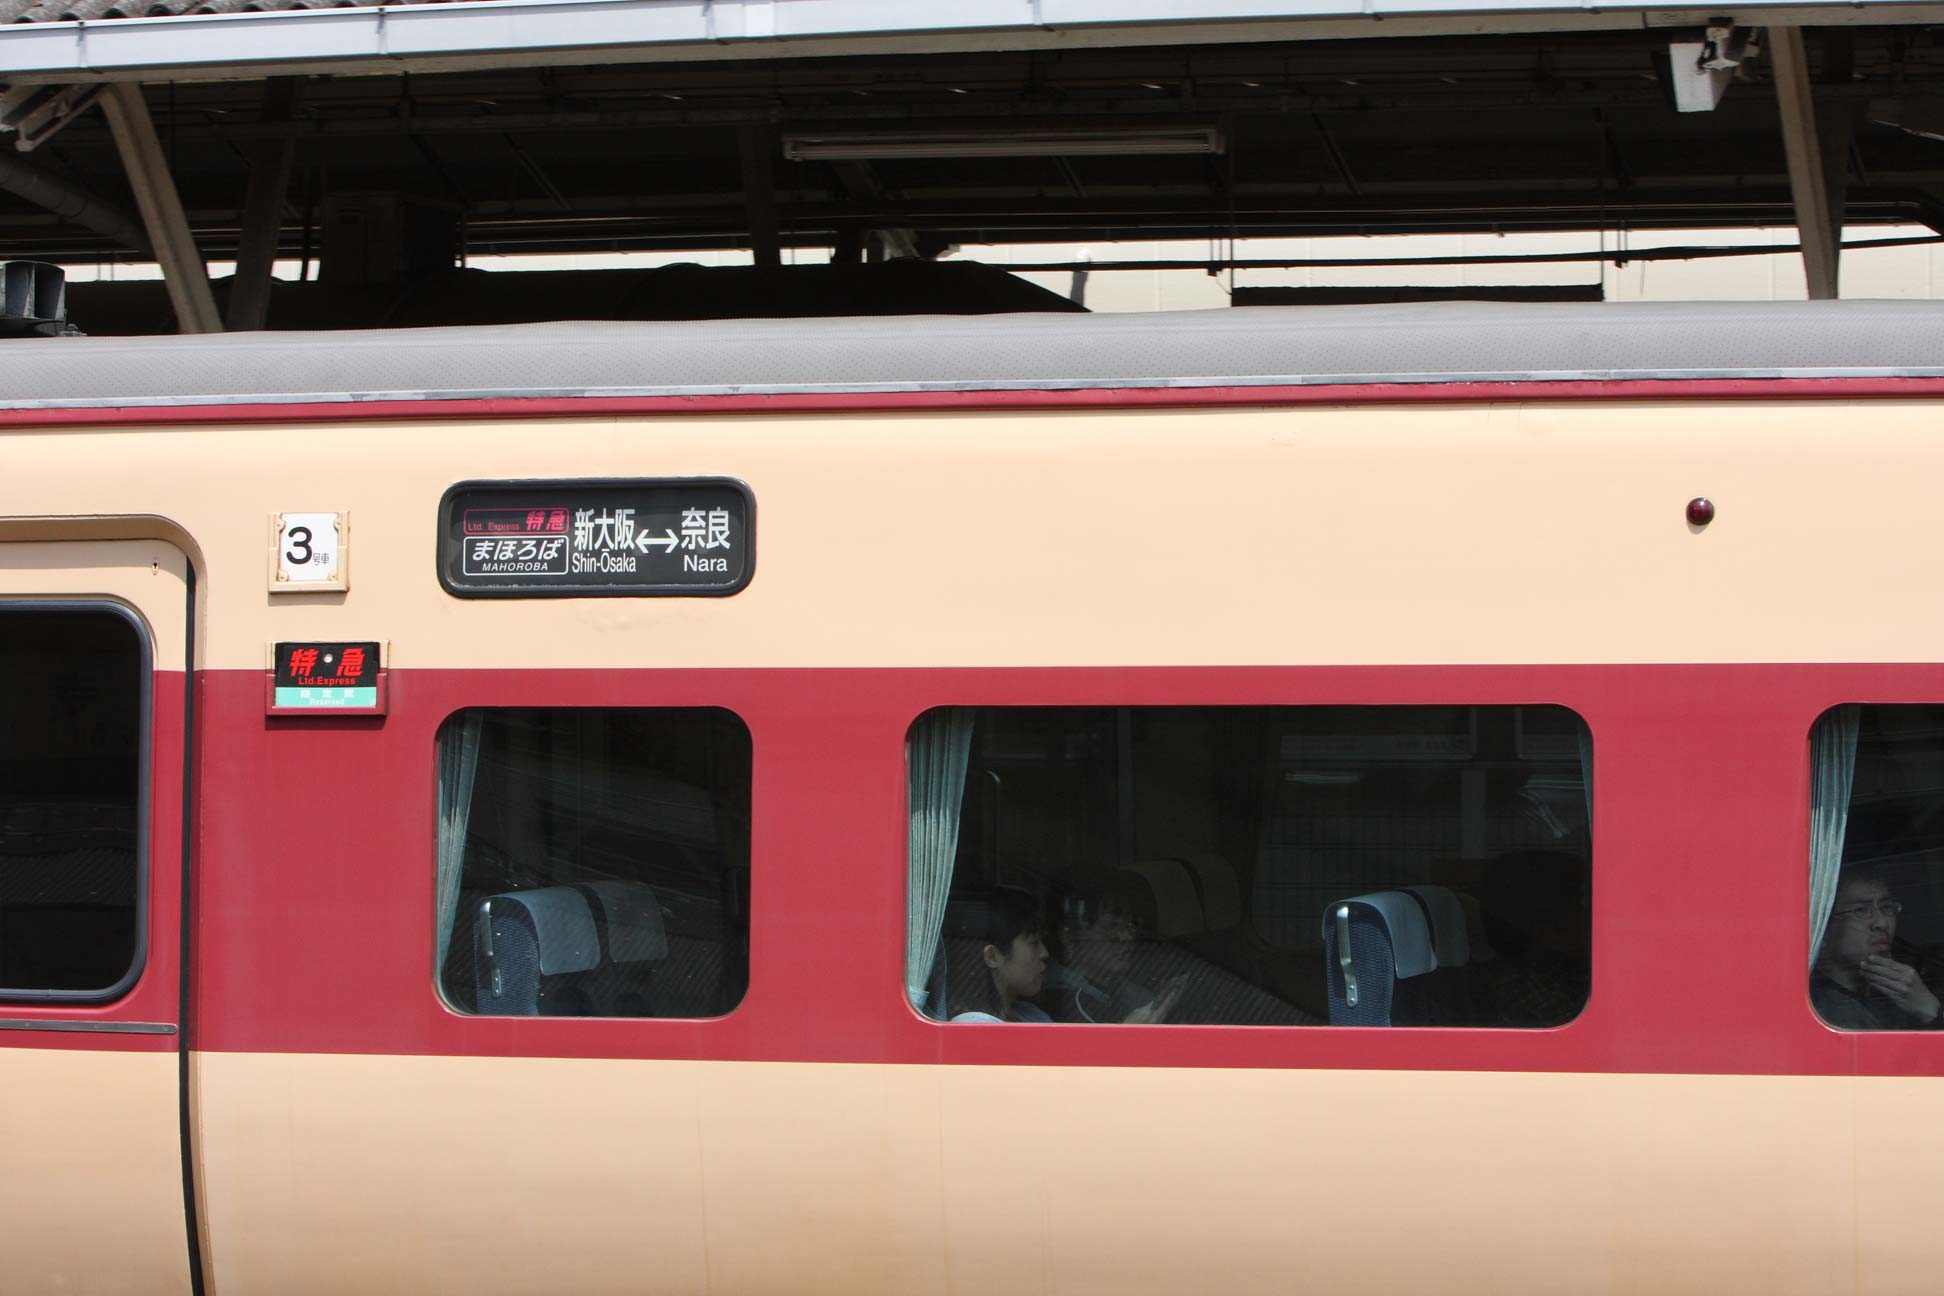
(875, 145)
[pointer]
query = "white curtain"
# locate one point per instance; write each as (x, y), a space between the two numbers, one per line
(458, 764)
(935, 762)
(1586, 776)
(1832, 768)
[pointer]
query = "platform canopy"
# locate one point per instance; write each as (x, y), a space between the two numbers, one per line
(380, 145)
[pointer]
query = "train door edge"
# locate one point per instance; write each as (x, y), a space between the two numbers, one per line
(96, 730)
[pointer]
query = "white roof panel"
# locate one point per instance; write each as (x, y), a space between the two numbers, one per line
(73, 40)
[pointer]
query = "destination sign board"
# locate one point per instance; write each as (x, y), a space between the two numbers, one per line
(641, 537)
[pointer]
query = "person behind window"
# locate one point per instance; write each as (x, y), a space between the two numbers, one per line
(1093, 984)
(1856, 983)
(1013, 949)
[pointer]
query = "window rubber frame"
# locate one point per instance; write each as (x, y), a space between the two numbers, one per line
(144, 784)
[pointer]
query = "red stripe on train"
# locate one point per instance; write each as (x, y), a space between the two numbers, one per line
(316, 892)
(1652, 389)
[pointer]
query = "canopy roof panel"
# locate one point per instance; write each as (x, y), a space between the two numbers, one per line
(67, 40)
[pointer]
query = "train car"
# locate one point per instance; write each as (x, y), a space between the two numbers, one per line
(1381, 799)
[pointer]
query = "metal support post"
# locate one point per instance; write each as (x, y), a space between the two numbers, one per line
(759, 195)
(263, 211)
(1836, 133)
(1820, 226)
(183, 271)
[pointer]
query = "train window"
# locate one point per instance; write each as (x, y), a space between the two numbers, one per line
(593, 862)
(1374, 866)
(72, 708)
(1876, 867)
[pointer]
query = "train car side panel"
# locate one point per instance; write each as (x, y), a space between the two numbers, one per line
(834, 1178)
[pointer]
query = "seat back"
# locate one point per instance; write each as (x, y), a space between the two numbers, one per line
(1450, 938)
(1162, 896)
(524, 943)
(1370, 943)
(591, 950)
(1221, 893)
(1188, 909)
(631, 920)
(634, 950)
(1445, 997)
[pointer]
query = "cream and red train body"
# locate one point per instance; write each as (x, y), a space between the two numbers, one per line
(1463, 534)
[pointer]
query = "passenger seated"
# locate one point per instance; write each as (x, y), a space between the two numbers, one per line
(1858, 983)
(1533, 905)
(1013, 949)
(1093, 984)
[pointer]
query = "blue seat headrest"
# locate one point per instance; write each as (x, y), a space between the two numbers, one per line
(563, 927)
(1412, 951)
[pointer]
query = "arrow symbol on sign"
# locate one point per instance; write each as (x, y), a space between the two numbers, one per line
(666, 540)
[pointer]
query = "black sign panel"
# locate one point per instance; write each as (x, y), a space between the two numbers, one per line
(556, 539)
(321, 678)
(327, 665)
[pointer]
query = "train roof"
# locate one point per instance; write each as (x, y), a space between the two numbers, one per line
(1257, 346)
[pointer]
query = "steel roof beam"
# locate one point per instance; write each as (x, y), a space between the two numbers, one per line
(380, 121)
(1809, 183)
(263, 211)
(71, 202)
(155, 193)
(1722, 202)
(72, 252)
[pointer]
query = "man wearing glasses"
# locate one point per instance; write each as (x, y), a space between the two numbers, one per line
(1856, 984)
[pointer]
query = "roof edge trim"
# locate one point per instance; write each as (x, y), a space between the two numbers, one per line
(1914, 386)
(1186, 387)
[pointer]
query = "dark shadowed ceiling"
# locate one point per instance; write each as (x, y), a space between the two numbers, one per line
(1514, 132)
